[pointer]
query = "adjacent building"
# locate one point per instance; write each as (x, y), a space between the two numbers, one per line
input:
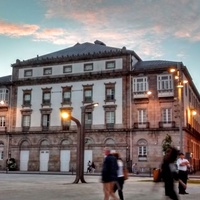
(139, 104)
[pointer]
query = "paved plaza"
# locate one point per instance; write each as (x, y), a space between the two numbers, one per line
(60, 187)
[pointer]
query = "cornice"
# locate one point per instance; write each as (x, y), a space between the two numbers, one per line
(71, 78)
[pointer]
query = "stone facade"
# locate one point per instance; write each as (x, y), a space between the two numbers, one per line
(137, 137)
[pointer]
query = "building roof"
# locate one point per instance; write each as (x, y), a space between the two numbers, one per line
(81, 50)
(5, 79)
(154, 64)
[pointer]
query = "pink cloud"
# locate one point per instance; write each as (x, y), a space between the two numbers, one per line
(17, 30)
(49, 33)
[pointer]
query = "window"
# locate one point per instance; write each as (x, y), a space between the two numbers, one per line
(28, 73)
(4, 94)
(110, 65)
(87, 95)
(110, 91)
(142, 150)
(45, 121)
(166, 115)
(67, 69)
(110, 118)
(66, 94)
(46, 97)
(88, 120)
(165, 82)
(26, 120)
(88, 67)
(26, 97)
(47, 71)
(140, 85)
(2, 121)
(142, 116)
(110, 94)
(110, 115)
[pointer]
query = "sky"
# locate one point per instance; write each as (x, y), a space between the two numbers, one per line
(154, 29)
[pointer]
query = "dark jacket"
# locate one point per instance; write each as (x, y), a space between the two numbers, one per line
(109, 170)
(169, 175)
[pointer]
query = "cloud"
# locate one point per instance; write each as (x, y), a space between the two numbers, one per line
(17, 30)
(142, 25)
(139, 25)
(49, 34)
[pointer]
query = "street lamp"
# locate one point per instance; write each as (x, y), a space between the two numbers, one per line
(65, 115)
(80, 141)
(180, 85)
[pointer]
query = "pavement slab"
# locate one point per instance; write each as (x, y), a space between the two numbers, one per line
(61, 187)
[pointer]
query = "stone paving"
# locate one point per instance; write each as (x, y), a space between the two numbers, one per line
(60, 187)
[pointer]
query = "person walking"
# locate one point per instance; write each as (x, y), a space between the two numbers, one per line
(182, 165)
(169, 172)
(93, 167)
(89, 167)
(120, 177)
(109, 175)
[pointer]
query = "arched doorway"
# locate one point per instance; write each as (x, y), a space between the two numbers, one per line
(44, 155)
(24, 156)
(65, 156)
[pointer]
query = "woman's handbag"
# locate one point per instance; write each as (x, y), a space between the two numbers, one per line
(125, 172)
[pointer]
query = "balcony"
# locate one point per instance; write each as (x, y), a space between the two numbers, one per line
(140, 95)
(170, 124)
(141, 125)
(142, 158)
(110, 126)
(166, 93)
(88, 126)
(25, 128)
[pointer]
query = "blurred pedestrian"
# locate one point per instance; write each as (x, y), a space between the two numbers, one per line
(93, 167)
(169, 172)
(89, 168)
(182, 165)
(109, 175)
(120, 177)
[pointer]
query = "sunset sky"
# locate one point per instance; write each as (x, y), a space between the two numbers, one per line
(154, 29)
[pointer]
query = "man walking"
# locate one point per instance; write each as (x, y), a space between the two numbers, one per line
(109, 175)
(182, 165)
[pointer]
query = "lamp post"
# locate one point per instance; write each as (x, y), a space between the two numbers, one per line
(80, 142)
(180, 85)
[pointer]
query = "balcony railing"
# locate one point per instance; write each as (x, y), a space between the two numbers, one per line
(169, 124)
(141, 125)
(110, 125)
(166, 93)
(142, 94)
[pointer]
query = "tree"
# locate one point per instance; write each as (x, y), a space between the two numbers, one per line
(167, 143)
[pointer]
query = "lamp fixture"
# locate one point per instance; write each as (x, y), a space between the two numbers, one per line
(194, 112)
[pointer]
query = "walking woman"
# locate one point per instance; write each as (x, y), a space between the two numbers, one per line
(169, 173)
(120, 177)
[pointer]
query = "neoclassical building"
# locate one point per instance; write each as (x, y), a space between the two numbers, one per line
(138, 105)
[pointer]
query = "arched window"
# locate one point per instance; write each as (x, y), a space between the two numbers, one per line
(142, 150)
(109, 141)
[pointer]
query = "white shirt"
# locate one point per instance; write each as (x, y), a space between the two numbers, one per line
(182, 168)
(120, 168)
